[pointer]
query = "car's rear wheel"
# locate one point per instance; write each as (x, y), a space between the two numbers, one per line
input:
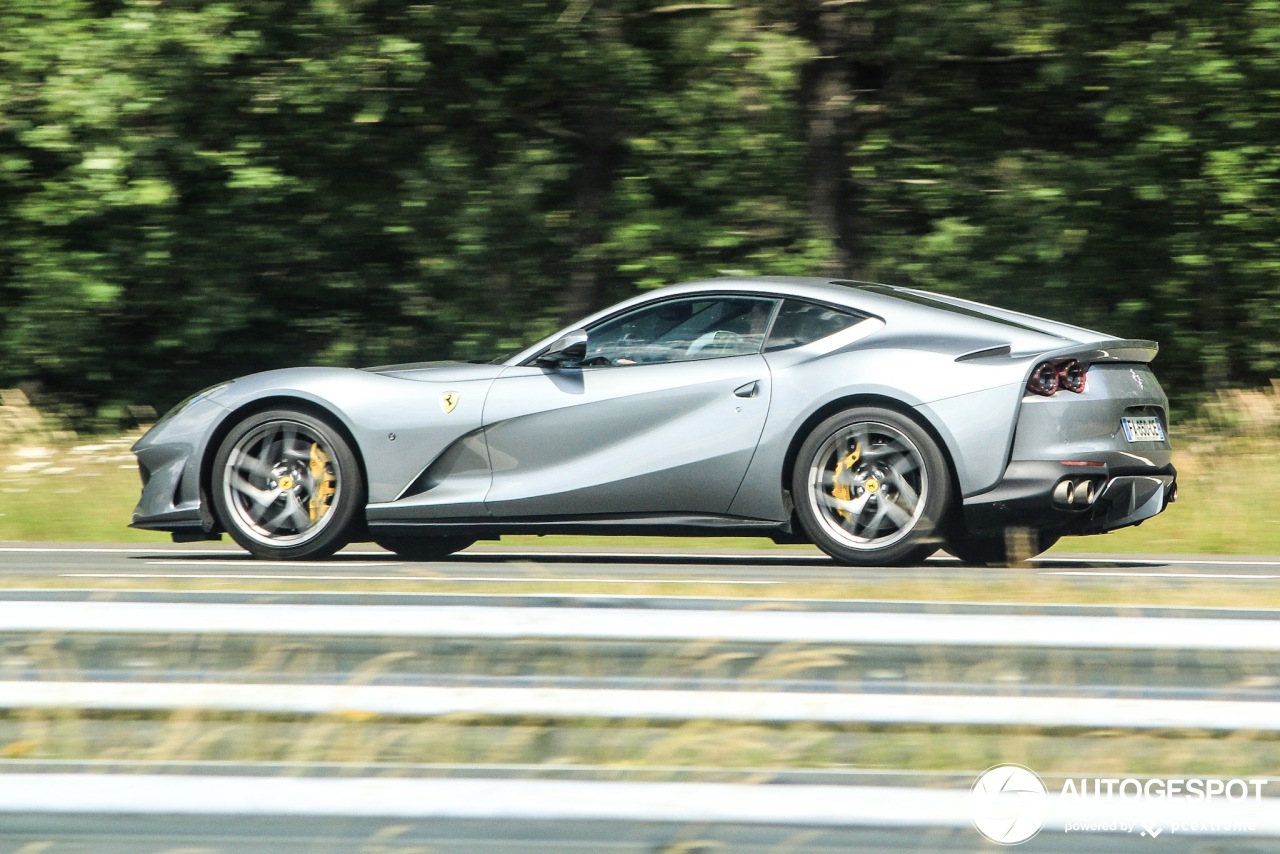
(287, 486)
(424, 548)
(1001, 549)
(871, 487)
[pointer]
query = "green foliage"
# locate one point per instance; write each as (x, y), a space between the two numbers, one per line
(190, 190)
(1107, 162)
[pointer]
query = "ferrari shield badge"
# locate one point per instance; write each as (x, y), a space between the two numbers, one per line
(448, 401)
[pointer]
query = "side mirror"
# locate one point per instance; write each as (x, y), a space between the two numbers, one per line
(570, 347)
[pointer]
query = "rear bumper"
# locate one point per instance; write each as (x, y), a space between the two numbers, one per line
(1030, 495)
(1074, 469)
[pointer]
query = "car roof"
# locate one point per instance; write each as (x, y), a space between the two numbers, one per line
(913, 309)
(889, 301)
(812, 287)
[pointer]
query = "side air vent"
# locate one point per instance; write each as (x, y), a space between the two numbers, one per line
(985, 353)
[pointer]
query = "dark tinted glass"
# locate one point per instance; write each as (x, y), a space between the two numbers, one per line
(680, 330)
(801, 322)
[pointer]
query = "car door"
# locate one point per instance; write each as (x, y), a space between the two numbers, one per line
(662, 416)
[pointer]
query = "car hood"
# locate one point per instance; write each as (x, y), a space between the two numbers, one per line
(438, 372)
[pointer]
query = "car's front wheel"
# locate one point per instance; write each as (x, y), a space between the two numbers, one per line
(871, 488)
(287, 486)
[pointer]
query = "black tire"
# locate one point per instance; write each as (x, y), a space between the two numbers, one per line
(424, 548)
(862, 467)
(287, 486)
(1003, 549)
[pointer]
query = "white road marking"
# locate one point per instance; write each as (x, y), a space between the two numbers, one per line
(1117, 574)
(1185, 560)
(420, 578)
(136, 550)
(755, 557)
(122, 550)
(275, 564)
(753, 602)
(534, 553)
(800, 805)
(491, 621)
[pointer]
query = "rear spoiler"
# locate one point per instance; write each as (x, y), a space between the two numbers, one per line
(1107, 350)
(1111, 350)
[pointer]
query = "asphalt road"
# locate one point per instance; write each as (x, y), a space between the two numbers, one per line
(494, 564)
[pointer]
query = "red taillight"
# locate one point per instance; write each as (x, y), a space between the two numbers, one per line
(1071, 376)
(1048, 377)
(1044, 380)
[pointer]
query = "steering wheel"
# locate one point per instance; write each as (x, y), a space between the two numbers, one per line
(718, 340)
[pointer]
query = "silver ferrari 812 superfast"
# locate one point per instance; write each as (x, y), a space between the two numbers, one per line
(879, 423)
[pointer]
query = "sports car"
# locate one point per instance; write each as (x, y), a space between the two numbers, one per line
(878, 423)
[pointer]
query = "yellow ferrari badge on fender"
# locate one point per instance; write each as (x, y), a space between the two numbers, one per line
(448, 401)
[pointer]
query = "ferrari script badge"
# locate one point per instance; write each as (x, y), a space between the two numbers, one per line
(448, 400)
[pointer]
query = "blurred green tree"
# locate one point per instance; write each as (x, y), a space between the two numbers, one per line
(193, 190)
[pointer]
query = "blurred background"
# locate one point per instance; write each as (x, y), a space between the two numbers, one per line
(192, 190)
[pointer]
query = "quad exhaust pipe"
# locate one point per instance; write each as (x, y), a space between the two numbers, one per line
(1075, 493)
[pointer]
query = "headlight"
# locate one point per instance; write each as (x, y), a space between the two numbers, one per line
(203, 393)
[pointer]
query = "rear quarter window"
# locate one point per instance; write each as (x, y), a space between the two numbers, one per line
(799, 323)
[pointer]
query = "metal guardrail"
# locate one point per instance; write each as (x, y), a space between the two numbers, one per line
(915, 703)
(570, 800)
(478, 621)
(870, 808)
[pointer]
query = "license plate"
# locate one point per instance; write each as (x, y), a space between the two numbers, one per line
(1142, 429)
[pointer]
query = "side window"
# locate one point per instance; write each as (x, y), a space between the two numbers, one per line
(681, 330)
(800, 323)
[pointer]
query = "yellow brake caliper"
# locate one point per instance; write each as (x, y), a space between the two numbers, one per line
(326, 483)
(842, 491)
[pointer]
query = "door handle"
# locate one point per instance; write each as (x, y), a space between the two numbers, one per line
(751, 389)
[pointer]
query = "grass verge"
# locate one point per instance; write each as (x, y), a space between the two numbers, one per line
(634, 748)
(62, 490)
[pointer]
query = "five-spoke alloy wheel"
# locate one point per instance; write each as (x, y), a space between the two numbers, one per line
(286, 485)
(871, 488)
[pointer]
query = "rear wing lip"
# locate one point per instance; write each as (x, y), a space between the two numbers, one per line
(1111, 350)
(1105, 350)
